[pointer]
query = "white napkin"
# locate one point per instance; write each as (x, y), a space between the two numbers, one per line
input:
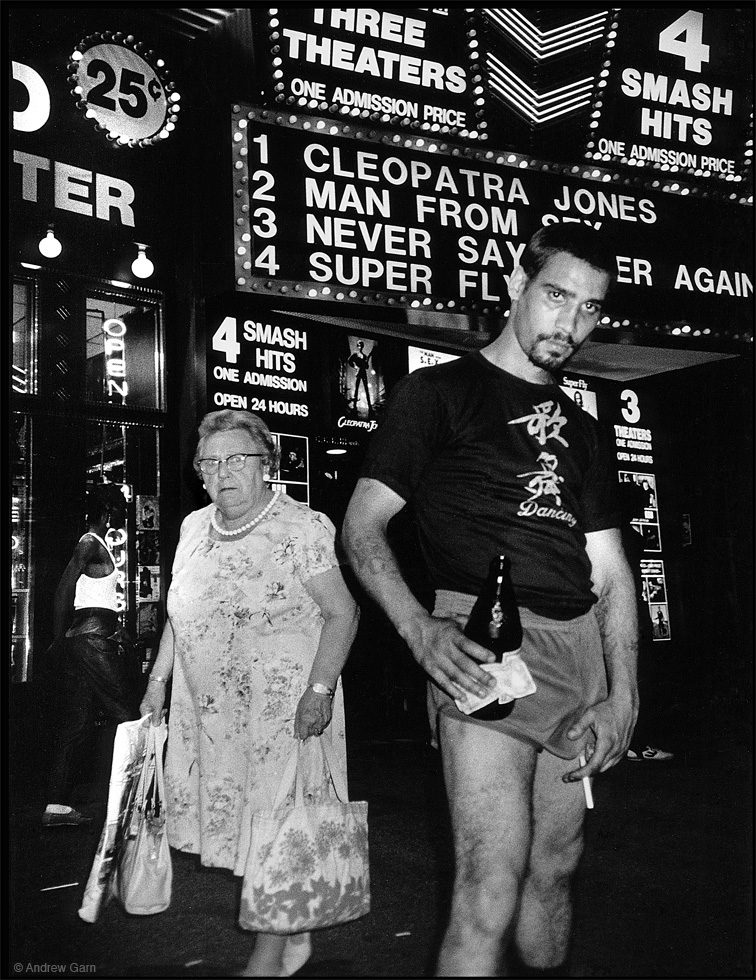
(513, 680)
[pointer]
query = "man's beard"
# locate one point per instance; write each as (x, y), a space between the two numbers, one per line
(551, 361)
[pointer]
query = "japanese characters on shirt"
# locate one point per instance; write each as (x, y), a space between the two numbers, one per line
(544, 424)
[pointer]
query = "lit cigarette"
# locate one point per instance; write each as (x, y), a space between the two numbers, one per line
(54, 888)
(586, 785)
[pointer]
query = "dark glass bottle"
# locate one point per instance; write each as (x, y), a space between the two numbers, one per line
(494, 623)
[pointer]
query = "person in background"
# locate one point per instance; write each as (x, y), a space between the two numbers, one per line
(260, 624)
(89, 656)
(496, 459)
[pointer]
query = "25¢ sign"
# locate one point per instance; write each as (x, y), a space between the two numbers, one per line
(120, 85)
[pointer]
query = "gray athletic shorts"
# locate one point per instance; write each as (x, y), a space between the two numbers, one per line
(565, 658)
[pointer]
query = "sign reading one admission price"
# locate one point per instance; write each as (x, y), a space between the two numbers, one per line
(678, 92)
(404, 66)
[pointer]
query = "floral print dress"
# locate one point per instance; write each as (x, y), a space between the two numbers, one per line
(245, 635)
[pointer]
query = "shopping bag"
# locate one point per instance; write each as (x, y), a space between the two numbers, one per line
(129, 755)
(307, 865)
(144, 874)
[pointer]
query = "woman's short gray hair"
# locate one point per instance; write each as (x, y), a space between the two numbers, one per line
(230, 419)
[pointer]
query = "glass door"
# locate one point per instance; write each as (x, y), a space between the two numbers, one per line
(21, 572)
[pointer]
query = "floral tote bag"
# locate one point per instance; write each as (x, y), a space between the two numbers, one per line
(307, 865)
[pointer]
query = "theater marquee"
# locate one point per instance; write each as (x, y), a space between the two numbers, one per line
(677, 93)
(337, 213)
(400, 67)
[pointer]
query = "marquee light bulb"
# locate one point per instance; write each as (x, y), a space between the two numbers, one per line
(49, 246)
(142, 267)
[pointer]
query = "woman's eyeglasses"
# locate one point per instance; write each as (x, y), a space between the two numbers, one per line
(234, 462)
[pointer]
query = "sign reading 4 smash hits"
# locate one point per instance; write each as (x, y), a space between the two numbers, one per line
(678, 93)
(261, 364)
(348, 219)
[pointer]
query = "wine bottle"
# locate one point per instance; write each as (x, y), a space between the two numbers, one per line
(494, 623)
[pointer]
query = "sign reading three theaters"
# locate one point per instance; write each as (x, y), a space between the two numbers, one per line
(260, 363)
(357, 217)
(408, 66)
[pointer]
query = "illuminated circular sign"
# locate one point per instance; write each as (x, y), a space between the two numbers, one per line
(124, 89)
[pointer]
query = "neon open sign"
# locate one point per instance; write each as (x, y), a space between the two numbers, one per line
(115, 358)
(117, 538)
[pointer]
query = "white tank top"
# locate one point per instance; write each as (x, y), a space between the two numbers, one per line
(97, 592)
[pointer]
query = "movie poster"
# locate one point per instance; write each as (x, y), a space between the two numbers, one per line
(361, 385)
(654, 595)
(148, 583)
(582, 395)
(645, 517)
(148, 547)
(293, 473)
(420, 357)
(147, 620)
(147, 513)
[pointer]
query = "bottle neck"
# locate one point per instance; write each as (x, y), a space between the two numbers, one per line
(499, 572)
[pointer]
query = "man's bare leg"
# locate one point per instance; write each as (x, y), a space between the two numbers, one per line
(544, 920)
(488, 779)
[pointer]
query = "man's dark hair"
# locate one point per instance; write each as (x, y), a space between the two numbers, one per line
(98, 505)
(105, 500)
(577, 239)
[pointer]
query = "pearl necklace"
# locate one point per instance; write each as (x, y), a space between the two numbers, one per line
(250, 524)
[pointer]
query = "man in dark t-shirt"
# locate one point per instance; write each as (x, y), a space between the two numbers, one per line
(495, 459)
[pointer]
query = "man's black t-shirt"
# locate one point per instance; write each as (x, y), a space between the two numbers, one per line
(493, 464)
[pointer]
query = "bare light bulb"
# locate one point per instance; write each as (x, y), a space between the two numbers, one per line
(49, 246)
(142, 267)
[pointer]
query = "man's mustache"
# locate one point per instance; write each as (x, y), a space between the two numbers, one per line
(562, 338)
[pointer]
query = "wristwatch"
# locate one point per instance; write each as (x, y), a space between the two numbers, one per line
(322, 689)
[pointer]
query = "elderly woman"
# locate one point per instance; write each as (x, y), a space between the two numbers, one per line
(260, 623)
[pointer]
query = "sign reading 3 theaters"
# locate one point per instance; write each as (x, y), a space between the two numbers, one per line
(259, 366)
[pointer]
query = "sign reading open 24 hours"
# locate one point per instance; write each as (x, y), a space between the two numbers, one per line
(350, 218)
(259, 363)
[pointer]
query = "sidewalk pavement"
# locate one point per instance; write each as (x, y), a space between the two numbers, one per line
(664, 889)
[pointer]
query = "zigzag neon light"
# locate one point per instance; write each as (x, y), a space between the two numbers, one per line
(544, 38)
(540, 44)
(534, 98)
(538, 108)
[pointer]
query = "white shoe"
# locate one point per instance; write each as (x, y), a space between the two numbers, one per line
(296, 953)
(650, 754)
